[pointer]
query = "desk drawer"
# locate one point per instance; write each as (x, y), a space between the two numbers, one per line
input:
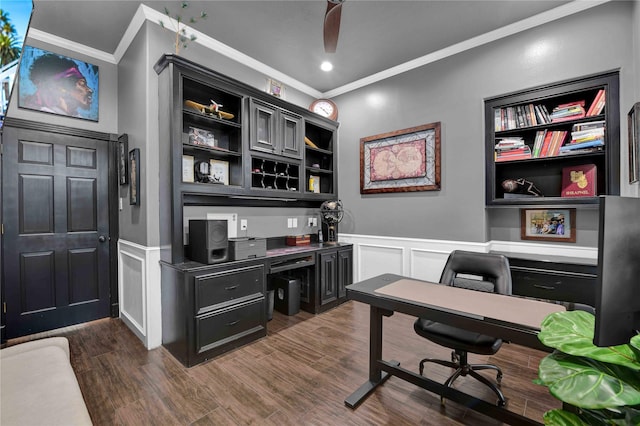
(213, 291)
(223, 327)
(565, 286)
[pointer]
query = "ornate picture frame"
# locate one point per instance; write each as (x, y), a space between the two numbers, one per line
(633, 122)
(401, 161)
(134, 177)
(558, 225)
(123, 163)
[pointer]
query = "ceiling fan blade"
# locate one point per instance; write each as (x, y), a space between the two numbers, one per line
(332, 26)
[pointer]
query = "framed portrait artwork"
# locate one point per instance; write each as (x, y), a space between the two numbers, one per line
(633, 121)
(401, 161)
(123, 163)
(56, 84)
(557, 225)
(134, 177)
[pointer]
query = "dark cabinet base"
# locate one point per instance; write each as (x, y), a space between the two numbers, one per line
(559, 279)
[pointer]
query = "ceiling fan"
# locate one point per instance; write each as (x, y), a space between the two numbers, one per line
(332, 25)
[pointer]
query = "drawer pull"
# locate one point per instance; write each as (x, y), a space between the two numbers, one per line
(232, 323)
(544, 287)
(233, 287)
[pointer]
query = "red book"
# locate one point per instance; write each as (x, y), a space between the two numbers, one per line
(545, 145)
(591, 110)
(579, 181)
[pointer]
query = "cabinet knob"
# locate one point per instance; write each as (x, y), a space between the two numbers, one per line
(102, 238)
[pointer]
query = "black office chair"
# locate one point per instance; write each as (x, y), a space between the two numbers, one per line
(484, 272)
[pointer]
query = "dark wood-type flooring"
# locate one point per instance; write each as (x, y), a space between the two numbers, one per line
(299, 374)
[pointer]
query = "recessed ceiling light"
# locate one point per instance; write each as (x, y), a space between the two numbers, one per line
(326, 66)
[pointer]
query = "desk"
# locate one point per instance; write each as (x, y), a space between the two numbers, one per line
(511, 318)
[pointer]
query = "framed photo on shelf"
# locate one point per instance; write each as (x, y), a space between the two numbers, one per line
(123, 164)
(202, 137)
(557, 225)
(188, 162)
(134, 177)
(275, 88)
(401, 161)
(633, 119)
(219, 171)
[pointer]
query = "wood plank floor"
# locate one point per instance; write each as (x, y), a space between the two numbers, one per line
(299, 374)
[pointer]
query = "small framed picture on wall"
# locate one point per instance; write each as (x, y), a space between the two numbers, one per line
(134, 177)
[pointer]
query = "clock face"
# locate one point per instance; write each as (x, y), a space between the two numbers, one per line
(325, 108)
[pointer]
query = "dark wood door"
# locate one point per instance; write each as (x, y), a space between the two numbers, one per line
(56, 230)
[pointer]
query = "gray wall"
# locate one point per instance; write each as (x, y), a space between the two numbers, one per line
(452, 91)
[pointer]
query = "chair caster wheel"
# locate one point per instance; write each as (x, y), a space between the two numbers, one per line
(499, 379)
(501, 403)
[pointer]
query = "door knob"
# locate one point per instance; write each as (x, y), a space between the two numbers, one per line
(102, 238)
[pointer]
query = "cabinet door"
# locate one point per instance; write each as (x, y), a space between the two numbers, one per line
(345, 271)
(328, 276)
(291, 134)
(263, 127)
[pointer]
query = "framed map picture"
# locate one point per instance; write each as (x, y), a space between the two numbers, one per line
(401, 161)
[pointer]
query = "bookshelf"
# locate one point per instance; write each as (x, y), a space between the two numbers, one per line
(536, 134)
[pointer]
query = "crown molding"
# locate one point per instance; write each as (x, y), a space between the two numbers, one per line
(551, 15)
(36, 34)
(145, 13)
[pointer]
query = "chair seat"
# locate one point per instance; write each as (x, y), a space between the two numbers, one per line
(457, 338)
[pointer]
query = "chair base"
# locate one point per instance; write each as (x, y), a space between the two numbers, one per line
(463, 368)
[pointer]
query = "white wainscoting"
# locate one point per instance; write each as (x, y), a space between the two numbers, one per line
(139, 291)
(424, 259)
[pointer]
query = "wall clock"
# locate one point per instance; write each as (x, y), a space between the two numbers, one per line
(325, 107)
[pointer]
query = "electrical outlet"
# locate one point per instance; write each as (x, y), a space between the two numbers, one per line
(310, 222)
(243, 224)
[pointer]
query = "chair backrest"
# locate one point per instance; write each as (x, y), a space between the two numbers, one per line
(492, 268)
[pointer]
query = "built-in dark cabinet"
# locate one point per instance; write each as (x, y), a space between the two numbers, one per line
(223, 142)
(334, 272)
(209, 310)
(275, 130)
(543, 133)
(554, 278)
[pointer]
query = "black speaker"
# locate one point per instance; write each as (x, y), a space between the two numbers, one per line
(208, 241)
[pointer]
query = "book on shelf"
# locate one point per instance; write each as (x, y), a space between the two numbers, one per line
(513, 154)
(520, 116)
(598, 103)
(588, 150)
(509, 143)
(579, 181)
(587, 144)
(568, 111)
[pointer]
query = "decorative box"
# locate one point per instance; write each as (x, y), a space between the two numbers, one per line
(298, 240)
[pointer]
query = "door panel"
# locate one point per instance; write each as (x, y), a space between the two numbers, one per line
(55, 211)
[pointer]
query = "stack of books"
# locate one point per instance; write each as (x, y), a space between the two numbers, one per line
(585, 137)
(512, 149)
(568, 111)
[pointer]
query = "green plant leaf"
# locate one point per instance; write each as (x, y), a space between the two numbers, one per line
(572, 332)
(562, 418)
(587, 383)
(635, 342)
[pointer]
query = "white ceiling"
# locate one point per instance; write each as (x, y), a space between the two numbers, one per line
(287, 35)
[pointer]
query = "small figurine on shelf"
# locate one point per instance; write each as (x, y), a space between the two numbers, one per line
(520, 186)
